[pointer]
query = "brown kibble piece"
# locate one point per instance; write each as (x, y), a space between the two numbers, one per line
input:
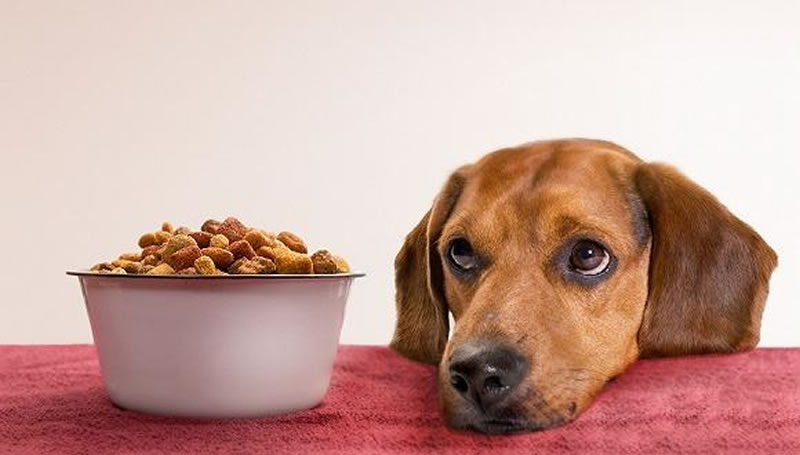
(219, 241)
(323, 262)
(188, 271)
(245, 266)
(102, 267)
(120, 262)
(166, 226)
(241, 249)
(288, 261)
(269, 234)
(257, 239)
(271, 252)
(133, 267)
(131, 256)
(210, 226)
(119, 270)
(151, 250)
(292, 241)
(150, 260)
(146, 268)
(147, 239)
(264, 265)
(247, 269)
(237, 264)
(222, 258)
(184, 257)
(202, 238)
(205, 266)
(341, 264)
(162, 269)
(183, 230)
(268, 252)
(162, 237)
(176, 243)
(233, 229)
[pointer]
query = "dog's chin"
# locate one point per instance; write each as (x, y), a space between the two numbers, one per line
(505, 426)
(505, 423)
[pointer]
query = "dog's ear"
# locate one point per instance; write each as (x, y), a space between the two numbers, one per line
(709, 271)
(422, 312)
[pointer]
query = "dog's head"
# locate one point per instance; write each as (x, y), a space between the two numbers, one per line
(562, 262)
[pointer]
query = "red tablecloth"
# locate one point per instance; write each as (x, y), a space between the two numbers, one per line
(52, 400)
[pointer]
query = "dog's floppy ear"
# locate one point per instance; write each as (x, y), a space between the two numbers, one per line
(422, 311)
(709, 271)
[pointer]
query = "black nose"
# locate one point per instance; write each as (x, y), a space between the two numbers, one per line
(486, 373)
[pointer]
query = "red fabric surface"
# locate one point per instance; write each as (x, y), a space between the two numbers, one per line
(52, 400)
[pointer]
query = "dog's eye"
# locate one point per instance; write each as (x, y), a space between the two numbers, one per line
(589, 258)
(461, 255)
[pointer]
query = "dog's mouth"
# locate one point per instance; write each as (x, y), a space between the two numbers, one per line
(508, 420)
(501, 426)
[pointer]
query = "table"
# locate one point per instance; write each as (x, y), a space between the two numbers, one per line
(52, 400)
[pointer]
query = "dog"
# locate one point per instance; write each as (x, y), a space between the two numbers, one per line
(562, 262)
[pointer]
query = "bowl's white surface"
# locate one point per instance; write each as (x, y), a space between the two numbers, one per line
(216, 347)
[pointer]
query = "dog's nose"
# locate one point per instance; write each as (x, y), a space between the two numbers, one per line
(486, 373)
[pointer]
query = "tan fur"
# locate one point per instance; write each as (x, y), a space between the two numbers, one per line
(690, 277)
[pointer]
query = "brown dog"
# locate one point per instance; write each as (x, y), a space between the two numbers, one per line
(562, 262)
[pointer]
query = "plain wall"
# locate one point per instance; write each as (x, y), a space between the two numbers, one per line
(341, 120)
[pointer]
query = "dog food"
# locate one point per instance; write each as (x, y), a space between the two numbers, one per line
(221, 248)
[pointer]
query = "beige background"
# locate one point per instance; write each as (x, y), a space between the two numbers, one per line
(340, 120)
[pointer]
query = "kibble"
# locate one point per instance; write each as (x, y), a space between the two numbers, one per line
(241, 248)
(288, 261)
(233, 229)
(292, 241)
(257, 239)
(184, 257)
(161, 269)
(176, 243)
(131, 256)
(133, 267)
(219, 241)
(151, 250)
(221, 248)
(210, 226)
(202, 238)
(150, 260)
(147, 239)
(205, 266)
(222, 258)
(323, 262)
(162, 237)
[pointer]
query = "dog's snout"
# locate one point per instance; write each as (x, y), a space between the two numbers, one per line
(485, 373)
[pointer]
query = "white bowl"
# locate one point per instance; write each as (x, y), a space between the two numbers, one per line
(216, 346)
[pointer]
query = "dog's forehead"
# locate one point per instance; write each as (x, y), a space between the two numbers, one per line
(550, 180)
(576, 163)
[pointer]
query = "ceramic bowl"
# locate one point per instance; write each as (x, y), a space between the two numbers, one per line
(216, 346)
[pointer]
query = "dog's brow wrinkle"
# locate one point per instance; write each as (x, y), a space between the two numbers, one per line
(636, 209)
(567, 224)
(641, 222)
(545, 166)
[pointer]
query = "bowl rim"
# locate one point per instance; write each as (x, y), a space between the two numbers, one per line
(272, 276)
